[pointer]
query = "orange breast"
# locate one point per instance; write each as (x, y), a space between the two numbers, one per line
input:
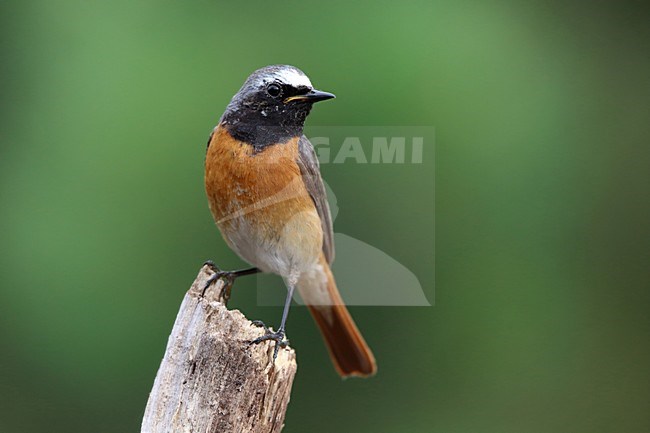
(260, 192)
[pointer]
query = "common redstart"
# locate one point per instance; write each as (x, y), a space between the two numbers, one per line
(267, 197)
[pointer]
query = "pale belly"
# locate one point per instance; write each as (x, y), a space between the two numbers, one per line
(287, 246)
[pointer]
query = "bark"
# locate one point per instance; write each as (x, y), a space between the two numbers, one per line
(211, 379)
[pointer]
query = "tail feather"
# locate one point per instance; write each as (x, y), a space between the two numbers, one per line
(349, 352)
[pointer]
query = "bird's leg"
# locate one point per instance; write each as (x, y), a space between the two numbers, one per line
(278, 336)
(228, 278)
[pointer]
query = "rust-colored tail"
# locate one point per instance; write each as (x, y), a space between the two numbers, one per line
(349, 352)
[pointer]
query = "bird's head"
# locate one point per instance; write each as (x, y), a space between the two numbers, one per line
(272, 105)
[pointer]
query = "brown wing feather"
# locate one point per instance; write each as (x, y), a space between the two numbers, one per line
(310, 170)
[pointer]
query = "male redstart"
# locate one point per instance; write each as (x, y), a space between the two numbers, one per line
(267, 197)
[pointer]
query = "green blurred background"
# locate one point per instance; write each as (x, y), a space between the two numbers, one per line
(541, 112)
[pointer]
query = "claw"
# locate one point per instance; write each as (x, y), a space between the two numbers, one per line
(260, 324)
(225, 290)
(211, 265)
(278, 337)
(228, 278)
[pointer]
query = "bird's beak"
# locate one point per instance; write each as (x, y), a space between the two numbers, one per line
(312, 96)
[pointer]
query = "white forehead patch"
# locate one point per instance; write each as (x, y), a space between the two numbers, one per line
(293, 77)
(284, 74)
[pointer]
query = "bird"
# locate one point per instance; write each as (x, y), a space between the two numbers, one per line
(266, 194)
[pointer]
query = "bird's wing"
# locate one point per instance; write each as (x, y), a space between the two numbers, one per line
(309, 168)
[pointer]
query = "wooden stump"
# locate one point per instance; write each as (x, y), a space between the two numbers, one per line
(211, 379)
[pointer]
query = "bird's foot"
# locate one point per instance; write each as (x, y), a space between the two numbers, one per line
(228, 278)
(278, 337)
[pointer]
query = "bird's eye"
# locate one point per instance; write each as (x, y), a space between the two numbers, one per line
(274, 90)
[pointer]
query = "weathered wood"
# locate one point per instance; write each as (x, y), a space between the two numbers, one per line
(211, 379)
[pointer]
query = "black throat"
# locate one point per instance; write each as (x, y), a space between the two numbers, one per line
(264, 125)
